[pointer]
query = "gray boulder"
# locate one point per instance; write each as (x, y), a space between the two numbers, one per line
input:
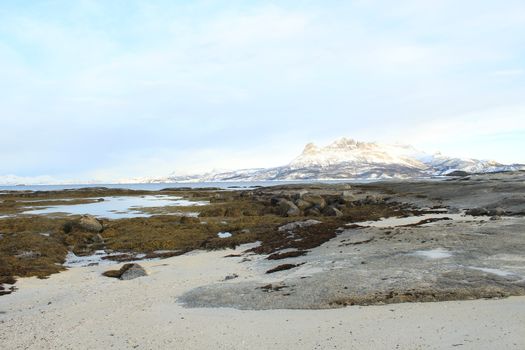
(312, 212)
(299, 194)
(127, 272)
(302, 204)
(332, 211)
(497, 212)
(477, 212)
(288, 208)
(133, 271)
(347, 196)
(315, 200)
(90, 223)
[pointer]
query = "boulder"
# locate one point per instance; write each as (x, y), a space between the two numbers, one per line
(372, 199)
(302, 204)
(299, 194)
(314, 211)
(477, 212)
(315, 200)
(98, 239)
(497, 212)
(288, 208)
(127, 272)
(90, 223)
(276, 200)
(231, 277)
(132, 272)
(332, 211)
(347, 196)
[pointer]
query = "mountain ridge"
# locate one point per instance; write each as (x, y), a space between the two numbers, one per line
(346, 158)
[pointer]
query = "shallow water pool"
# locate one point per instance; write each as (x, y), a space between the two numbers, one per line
(119, 207)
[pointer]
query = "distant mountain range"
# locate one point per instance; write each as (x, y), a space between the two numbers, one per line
(342, 159)
(349, 159)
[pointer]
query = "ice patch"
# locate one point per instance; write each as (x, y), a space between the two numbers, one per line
(411, 220)
(224, 234)
(438, 253)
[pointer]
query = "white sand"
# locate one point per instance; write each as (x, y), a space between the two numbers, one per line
(79, 309)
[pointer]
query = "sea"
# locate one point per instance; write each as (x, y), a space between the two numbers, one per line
(160, 186)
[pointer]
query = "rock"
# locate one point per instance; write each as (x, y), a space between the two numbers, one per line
(477, 212)
(332, 211)
(372, 199)
(299, 194)
(497, 212)
(312, 212)
(134, 271)
(315, 200)
(90, 223)
(302, 204)
(127, 272)
(231, 277)
(347, 196)
(112, 273)
(276, 200)
(97, 239)
(288, 208)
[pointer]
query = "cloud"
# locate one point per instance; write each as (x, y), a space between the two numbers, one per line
(93, 88)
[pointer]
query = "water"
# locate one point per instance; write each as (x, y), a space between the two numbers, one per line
(118, 207)
(159, 186)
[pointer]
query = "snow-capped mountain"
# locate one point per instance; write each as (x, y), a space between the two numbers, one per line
(342, 159)
(349, 159)
(350, 151)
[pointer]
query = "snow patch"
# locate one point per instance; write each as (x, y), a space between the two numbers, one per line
(224, 234)
(438, 253)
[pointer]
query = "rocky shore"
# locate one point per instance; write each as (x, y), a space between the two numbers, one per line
(302, 247)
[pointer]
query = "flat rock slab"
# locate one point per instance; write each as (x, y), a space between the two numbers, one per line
(372, 266)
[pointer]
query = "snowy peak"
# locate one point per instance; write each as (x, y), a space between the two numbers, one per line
(349, 151)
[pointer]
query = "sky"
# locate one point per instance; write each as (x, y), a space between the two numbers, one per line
(121, 89)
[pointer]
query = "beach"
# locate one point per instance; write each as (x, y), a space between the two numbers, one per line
(80, 309)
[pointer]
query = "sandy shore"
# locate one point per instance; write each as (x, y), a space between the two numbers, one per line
(79, 309)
